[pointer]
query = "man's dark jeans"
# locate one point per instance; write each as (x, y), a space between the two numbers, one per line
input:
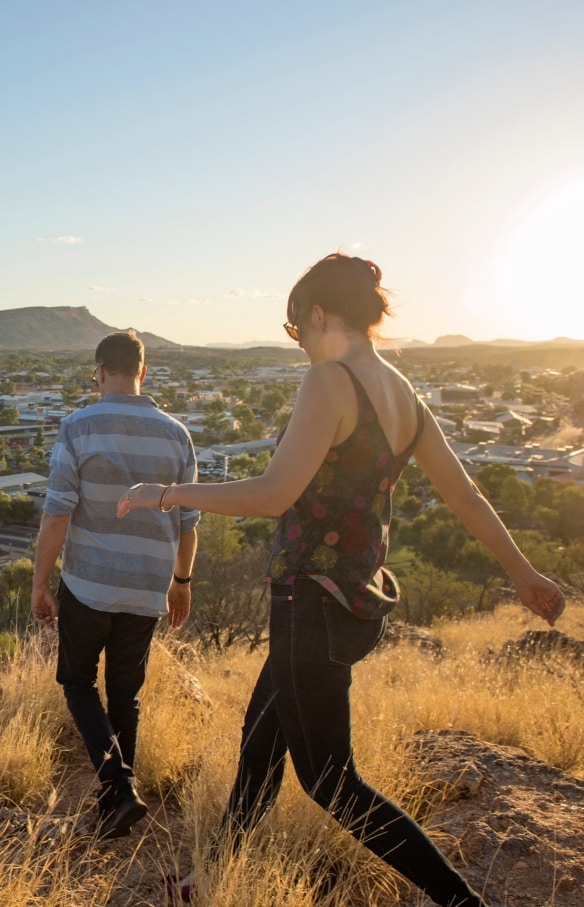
(301, 704)
(110, 737)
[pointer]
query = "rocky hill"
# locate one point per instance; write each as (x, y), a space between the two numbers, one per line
(50, 329)
(553, 354)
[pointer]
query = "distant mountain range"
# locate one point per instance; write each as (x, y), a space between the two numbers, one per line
(453, 340)
(250, 345)
(69, 328)
(448, 341)
(60, 328)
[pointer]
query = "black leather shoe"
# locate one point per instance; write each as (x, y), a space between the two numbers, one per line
(120, 807)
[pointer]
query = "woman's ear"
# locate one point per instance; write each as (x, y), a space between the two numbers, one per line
(318, 317)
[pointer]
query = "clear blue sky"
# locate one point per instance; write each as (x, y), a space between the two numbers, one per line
(175, 165)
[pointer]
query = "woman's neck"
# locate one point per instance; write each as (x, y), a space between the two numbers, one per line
(348, 345)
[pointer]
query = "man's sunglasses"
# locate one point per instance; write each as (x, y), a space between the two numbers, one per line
(94, 376)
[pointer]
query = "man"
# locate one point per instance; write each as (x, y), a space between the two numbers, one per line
(117, 578)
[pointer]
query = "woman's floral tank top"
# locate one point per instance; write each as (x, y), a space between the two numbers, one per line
(337, 532)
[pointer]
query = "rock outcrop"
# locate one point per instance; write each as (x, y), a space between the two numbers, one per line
(514, 824)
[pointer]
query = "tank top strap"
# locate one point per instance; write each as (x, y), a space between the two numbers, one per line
(362, 395)
(421, 417)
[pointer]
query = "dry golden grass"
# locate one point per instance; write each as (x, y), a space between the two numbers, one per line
(171, 723)
(32, 714)
(58, 873)
(188, 753)
(535, 706)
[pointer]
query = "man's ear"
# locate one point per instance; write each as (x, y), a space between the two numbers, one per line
(142, 374)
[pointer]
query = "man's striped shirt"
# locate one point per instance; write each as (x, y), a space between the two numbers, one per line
(111, 564)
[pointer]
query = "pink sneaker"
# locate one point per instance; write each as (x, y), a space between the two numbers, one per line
(176, 892)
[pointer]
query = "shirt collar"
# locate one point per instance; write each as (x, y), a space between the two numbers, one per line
(134, 399)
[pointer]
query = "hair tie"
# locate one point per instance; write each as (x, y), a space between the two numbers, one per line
(376, 270)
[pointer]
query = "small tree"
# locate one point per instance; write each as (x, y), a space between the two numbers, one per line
(244, 465)
(4, 508)
(544, 553)
(411, 506)
(546, 491)
(9, 415)
(490, 479)
(570, 501)
(15, 591)
(39, 438)
(249, 427)
(215, 420)
(230, 600)
(281, 418)
(441, 540)
(516, 498)
(428, 593)
(256, 531)
(273, 400)
(22, 509)
(237, 387)
(7, 387)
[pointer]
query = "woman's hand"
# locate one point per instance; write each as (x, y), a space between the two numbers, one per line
(542, 596)
(140, 497)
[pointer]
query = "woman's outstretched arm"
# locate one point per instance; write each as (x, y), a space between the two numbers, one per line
(320, 409)
(460, 494)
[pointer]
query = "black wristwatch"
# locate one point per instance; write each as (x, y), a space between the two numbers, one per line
(182, 580)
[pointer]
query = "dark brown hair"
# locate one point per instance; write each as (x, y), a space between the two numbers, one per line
(121, 353)
(345, 286)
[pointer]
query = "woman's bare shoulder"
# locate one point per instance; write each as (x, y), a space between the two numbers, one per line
(326, 374)
(397, 381)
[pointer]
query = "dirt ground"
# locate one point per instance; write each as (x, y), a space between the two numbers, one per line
(512, 824)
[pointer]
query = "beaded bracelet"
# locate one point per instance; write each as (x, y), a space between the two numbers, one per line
(162, 497)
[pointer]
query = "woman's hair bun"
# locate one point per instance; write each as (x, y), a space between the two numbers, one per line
(344, 284)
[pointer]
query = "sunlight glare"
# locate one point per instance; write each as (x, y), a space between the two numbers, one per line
(539, 279)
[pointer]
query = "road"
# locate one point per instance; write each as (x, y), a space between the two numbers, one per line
(16, 539)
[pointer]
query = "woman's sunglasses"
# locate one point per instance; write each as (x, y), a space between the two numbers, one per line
(292, 330)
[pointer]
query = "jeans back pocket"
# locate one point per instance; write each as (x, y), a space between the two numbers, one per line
(350, 639)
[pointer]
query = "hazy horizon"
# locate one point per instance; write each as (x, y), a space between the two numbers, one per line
(389, 339)
(178, 166)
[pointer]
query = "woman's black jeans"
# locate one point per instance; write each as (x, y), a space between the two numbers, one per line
(110, 737)
(301, 704)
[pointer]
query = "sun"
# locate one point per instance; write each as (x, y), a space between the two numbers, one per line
(539, 272)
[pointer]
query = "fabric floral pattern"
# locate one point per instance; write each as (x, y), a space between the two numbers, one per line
(325, 475)
(278, 565)
(338, 530)
(323, 558)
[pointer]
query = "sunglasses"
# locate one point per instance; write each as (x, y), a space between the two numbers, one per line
(292, 330)
(94, 376)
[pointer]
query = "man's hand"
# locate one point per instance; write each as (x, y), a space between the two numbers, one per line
(179, 604)
(44, 606)
(49, 543)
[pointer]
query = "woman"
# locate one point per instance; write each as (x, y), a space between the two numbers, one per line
(355, 424)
